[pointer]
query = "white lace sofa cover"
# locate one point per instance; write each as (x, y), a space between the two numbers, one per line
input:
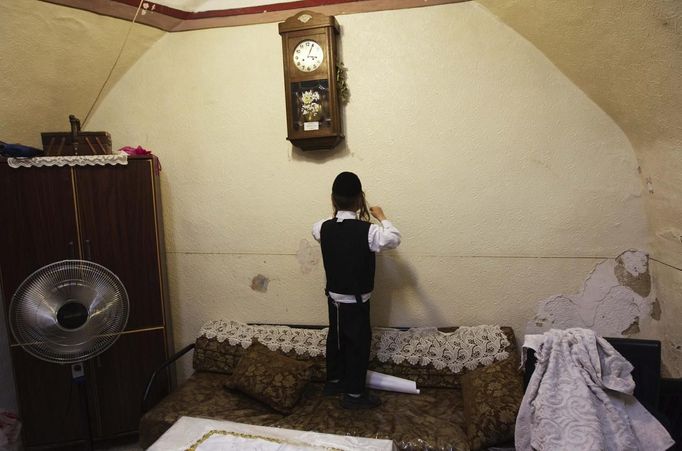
(466, 347)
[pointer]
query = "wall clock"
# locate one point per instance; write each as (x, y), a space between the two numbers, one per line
(309, 43)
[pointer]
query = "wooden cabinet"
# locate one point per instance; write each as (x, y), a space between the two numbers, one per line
(110, 215)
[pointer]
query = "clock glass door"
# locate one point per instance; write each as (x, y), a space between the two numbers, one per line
(310, 105)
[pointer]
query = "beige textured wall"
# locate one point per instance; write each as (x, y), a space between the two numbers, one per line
(625, 55)
(502, 175)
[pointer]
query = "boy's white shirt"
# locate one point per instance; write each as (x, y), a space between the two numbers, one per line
(378, 238)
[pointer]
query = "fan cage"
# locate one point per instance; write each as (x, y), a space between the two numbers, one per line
(34, 309)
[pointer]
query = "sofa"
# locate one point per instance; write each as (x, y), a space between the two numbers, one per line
(273, 375)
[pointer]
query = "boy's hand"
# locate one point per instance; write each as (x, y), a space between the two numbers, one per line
(377, 212)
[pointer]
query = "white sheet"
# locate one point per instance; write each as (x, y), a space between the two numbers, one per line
(580, 398)
(215, 435)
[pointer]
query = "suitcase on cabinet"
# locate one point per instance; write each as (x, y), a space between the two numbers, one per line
(76, 142)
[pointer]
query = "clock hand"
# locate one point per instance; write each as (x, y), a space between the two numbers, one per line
(309, 51)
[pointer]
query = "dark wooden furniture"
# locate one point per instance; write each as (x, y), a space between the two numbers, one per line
(110, 215)
(671, 407)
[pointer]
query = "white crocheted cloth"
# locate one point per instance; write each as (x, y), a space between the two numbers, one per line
(70, 160)
(467, 347)
(303, 341)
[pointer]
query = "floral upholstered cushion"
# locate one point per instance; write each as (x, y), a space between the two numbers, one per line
(219, 354)
(270, 377)
(216, 356)
(492, 396)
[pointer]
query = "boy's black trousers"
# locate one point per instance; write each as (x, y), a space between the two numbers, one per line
(348, 344)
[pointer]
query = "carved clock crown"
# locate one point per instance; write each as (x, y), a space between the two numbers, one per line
(307, 19)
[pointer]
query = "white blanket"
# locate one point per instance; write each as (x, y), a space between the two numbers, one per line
(206, 434)
(580, 398)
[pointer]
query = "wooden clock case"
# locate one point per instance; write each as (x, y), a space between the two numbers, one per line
(309, 131)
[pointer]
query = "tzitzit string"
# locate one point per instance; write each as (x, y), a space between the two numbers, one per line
(118, 57)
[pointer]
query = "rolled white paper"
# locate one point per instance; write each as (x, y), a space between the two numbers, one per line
(380, 381)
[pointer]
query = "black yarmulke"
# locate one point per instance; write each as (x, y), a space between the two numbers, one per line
(347, 184)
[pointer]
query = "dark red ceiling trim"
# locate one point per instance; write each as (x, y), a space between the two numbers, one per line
(189, 15)
(174, 20)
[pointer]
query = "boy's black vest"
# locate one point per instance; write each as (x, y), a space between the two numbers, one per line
(348, 262)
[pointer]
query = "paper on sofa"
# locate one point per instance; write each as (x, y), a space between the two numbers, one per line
(380, 381)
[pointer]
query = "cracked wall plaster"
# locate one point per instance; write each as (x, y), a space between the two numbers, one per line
(672, 234)
(616, 300)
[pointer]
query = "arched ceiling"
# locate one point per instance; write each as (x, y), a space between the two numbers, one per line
(625, 54)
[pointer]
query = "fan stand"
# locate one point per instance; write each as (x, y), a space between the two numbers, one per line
(78, 377)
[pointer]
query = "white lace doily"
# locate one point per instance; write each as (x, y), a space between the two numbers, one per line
(69, 160)
(303, 341)
(467, 347)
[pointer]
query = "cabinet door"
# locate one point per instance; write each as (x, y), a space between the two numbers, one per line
(50, 402)
(118, 227)
(121, 375)
(37, 227)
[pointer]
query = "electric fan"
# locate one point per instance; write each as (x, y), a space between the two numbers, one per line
(68, 312)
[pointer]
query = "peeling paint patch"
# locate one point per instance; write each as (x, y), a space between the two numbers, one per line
(260, 283)
(615, 296)
(308, 256)
(633, 329)
(656, 310)
(632, 271)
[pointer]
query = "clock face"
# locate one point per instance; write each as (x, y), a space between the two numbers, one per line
(308, 55)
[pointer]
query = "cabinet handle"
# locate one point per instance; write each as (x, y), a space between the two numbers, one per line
(88, 250)
(72, 250)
